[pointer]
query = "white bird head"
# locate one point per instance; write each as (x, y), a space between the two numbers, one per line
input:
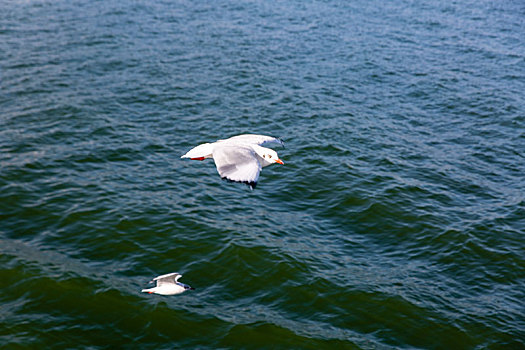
(268, 155)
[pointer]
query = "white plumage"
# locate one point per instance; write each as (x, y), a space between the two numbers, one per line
(168, 285)
(239, 158)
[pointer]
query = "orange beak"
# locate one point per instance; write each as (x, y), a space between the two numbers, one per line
(279, 161)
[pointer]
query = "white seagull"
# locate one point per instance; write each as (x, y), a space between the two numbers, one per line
(239, 158)
(168, 285)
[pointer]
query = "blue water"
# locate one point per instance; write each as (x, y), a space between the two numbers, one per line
(397, 221)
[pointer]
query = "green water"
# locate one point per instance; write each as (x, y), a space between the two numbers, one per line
(397, 221)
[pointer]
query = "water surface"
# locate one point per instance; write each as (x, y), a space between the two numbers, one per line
(397, 220)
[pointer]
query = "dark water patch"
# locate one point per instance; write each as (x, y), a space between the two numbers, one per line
(238, 335)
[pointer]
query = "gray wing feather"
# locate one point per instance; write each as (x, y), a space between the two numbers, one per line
(254, 139)
(169, 278)
(237, 163)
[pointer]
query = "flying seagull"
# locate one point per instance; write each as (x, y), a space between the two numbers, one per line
(168, 285)
(239, 158)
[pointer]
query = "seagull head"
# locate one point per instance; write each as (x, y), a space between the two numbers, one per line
(269, 156)
(185, 286)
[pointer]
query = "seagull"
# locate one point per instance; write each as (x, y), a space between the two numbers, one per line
(239, 158)
(168, 285)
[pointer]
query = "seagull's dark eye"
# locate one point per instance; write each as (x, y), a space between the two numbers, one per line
(269, 156)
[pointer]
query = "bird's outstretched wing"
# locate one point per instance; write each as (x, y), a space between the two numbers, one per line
(169, 278)
(253, 139)
(237, 163)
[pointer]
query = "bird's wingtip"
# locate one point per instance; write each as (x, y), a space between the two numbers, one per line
(251, 184)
